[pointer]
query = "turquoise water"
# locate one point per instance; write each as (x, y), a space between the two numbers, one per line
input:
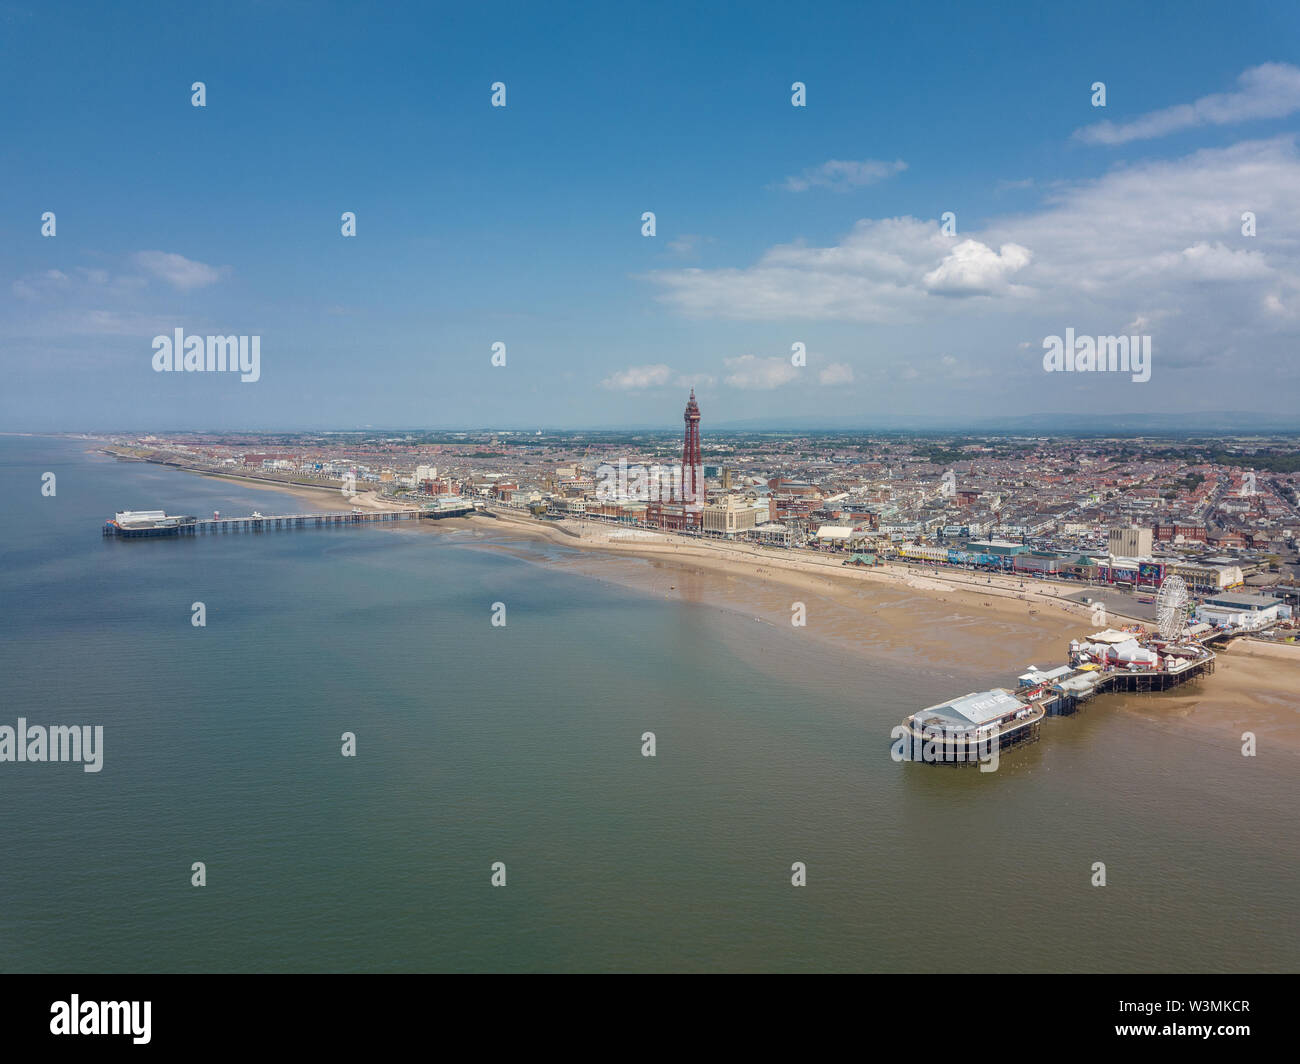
(522, 744)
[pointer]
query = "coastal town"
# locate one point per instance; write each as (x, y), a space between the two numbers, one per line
(1119, 514)
(1169, 548)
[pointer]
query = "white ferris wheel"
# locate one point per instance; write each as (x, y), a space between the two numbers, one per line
(1171, 607)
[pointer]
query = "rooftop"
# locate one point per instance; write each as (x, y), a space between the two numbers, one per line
(1257, 602)
(978, 707)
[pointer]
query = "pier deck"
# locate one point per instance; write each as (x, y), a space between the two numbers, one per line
(1065, 698)
(196, 526)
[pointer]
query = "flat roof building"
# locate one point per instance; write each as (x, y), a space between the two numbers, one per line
(974, 710)
(997, 546)
(1242, 603)
(1131, 542)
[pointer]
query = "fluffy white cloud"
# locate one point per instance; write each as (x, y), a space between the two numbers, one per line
(873, 275)
(840, 175)
(177, 270)
(1155, 234)
(749, 372)
(836, 373)
(1271, 90)
(637, 377)
(1215, 262)
(975, 269)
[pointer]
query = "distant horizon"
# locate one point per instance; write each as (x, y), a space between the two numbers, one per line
(1041, 422)
(971, 429)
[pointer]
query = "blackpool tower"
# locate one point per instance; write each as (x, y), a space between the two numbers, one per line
(692, 467)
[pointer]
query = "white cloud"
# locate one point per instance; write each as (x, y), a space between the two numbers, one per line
(872, 275)
(1156, 234)
(1215, 262)
(840, 175)
(836, 373)
(695, 380)
(637, 377)
(82, 284)
(750, 372)
(688, 245)
(1276, 305)
(177, 270)
(951, 369)
(39, 284)
(1271, 90)
(974, 269)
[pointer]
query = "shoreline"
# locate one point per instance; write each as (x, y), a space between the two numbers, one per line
(927, 620)
(295, 489)
(1037, 595)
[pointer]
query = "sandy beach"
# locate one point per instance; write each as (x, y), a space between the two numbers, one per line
(998, 627)
(941, 620)
(322, 497)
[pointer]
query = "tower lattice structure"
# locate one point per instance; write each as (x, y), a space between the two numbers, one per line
(692, 465)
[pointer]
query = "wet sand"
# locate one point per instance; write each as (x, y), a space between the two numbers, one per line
(943, 625)
(946, 622)
(1247, 693)
(322, 497)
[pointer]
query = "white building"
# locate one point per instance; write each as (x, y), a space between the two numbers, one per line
(1242, 611)
(835, 534)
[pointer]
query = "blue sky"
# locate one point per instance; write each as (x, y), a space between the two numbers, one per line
(775, 224)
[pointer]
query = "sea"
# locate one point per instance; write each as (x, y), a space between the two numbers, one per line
(500, 815)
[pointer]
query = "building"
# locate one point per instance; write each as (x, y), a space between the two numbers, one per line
(834, 535)
(730, 516)
(917, 552)
(682, 508)
(999, 547)
(673, 516)
(1176, 533)
(1131, 542)
(963, 730)
(772, 534)
(1206, 576)
(570, 507)
(1132, 572)
(1042, 562)
(1242, 611)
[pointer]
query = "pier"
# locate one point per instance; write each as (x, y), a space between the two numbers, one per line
(165, 526)
(957, 732)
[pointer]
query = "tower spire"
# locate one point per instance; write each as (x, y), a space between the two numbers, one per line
(692, 468)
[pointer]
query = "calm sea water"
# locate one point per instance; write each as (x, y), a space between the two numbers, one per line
(522, 744)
